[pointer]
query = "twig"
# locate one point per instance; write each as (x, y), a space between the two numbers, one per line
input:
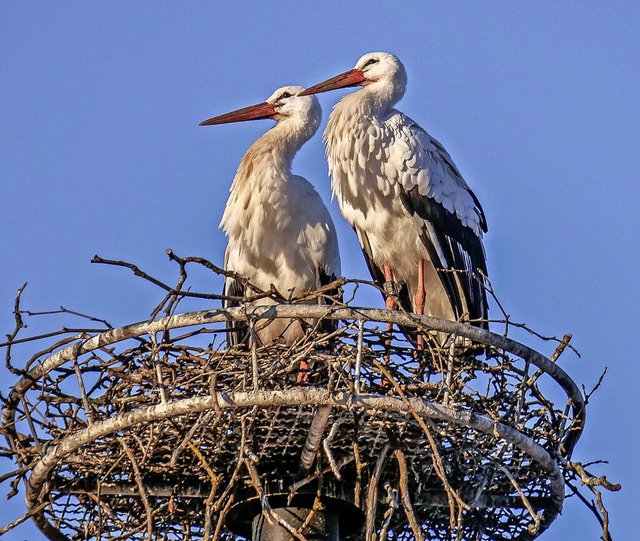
(392, 504)
(535, 526)
(19, 326)
(215, 482)
(590, 480)
(327, 450)
(588, 395)
(372, 493)
(222, 516)
(155, 281)
(561, 347)
(316, 475)
(223, 272)
(26, 516)
(404, 495)
(599, 511)
(63, 310)
(141, 488)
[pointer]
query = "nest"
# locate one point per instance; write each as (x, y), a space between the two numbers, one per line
(157, 430)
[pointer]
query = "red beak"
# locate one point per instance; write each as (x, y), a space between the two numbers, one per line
(348, 78)
(253, 112)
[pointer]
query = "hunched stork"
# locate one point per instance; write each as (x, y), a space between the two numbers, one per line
(280, 232)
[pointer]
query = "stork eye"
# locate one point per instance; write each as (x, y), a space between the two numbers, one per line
(370, 62)
(285, 95)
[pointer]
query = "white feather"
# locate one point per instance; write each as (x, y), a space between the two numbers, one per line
(280, 232)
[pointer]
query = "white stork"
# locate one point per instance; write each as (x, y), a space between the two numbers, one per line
(419, 224)
(280, 232)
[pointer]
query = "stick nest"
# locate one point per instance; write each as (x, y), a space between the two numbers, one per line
(158, 430)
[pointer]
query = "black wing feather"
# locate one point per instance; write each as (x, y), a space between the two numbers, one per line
(329, 325)
(237, 332)
(460, 245)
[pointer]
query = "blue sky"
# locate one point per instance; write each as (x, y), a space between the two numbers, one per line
(538, 103)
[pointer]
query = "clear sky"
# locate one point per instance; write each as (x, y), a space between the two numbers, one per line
(538, 103)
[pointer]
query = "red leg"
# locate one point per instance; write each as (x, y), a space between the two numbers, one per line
(302, 372)
(389, 287)
(420, 292)
(390, 303)
(420, 299)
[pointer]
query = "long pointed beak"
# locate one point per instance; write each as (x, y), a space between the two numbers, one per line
(253, 112)
(352, 77)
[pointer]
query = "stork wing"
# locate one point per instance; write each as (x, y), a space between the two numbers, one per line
(422, 162)
(449, 214)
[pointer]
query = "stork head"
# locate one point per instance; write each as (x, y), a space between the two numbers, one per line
(288, 104)
(284, 105)
(382, 72)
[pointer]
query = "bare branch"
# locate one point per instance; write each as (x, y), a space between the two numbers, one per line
(404, 493)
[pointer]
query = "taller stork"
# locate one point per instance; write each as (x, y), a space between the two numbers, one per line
(419, 224)
(280, 232)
